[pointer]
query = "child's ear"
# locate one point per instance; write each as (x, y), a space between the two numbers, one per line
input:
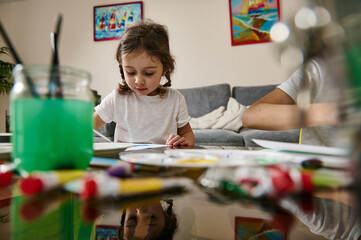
(164, 72)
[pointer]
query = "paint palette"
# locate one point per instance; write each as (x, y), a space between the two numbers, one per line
(165, 160)
(204, 158)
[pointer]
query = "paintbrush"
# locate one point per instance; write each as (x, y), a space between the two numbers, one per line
(102, 136)
(55, 83)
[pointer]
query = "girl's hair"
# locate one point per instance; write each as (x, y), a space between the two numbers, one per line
(151, 37)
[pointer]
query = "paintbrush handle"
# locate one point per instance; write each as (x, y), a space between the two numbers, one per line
(55, 83)
(10, 45)
(102, 136)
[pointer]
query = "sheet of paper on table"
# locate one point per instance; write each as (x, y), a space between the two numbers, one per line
(144, 146)
(107, 149)
(108, 146)
(333, 157)
(112, 150)
(302, 148)
(102, 149)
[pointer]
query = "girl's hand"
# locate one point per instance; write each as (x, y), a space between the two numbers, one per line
(176, 140)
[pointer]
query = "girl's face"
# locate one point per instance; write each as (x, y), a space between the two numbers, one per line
(144, 223)
(142, 72)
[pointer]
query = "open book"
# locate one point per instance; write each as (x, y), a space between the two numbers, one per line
(106, 149)
(102, 149)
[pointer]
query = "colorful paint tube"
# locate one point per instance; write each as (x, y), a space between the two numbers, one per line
(6, 174)
(42, 181)
(121, 169)
(275, 181)
(102, 185)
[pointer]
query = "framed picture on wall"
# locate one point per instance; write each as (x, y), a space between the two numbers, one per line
(110, 21)
(251, 20)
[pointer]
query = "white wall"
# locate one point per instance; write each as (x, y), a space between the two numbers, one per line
(199, 34)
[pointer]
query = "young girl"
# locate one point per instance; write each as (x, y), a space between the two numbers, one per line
(144, 109)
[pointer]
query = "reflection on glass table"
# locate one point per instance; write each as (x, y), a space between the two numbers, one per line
(195, 214)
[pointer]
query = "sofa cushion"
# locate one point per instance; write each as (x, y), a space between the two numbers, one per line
(249, 95)
(291, 135)
(208, 120)
(203, 100)
(221, 118)
(217, 137)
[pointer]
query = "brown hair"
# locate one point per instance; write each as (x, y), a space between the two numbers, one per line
(151, 37)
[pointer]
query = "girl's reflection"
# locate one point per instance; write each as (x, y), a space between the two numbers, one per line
(155, 221)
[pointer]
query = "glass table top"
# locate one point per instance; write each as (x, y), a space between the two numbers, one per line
(196, 212)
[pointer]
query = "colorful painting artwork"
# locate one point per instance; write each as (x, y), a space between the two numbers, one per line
(256, 228)
(106, 232)
(251, 20)
(110, 21)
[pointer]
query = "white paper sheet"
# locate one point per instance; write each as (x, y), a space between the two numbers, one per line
(107, 149)
(294, 147)
(108, 146)
(144, 146)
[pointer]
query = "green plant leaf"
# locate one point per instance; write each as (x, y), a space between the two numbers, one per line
(6, 68)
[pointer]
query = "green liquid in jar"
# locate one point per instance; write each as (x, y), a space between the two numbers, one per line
(52, 133)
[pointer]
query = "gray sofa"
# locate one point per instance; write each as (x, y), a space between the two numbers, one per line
(203, 100)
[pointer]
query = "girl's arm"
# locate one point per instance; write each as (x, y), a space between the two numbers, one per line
(185, 137)
(277, 111)
(98, 122)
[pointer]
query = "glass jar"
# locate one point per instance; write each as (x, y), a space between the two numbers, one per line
(51, 123)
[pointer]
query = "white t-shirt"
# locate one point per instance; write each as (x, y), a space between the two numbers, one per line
(323, 90)
(144, 119)
(329, 218)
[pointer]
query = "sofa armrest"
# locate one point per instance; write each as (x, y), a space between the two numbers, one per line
(291, 135)
(217, 137)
